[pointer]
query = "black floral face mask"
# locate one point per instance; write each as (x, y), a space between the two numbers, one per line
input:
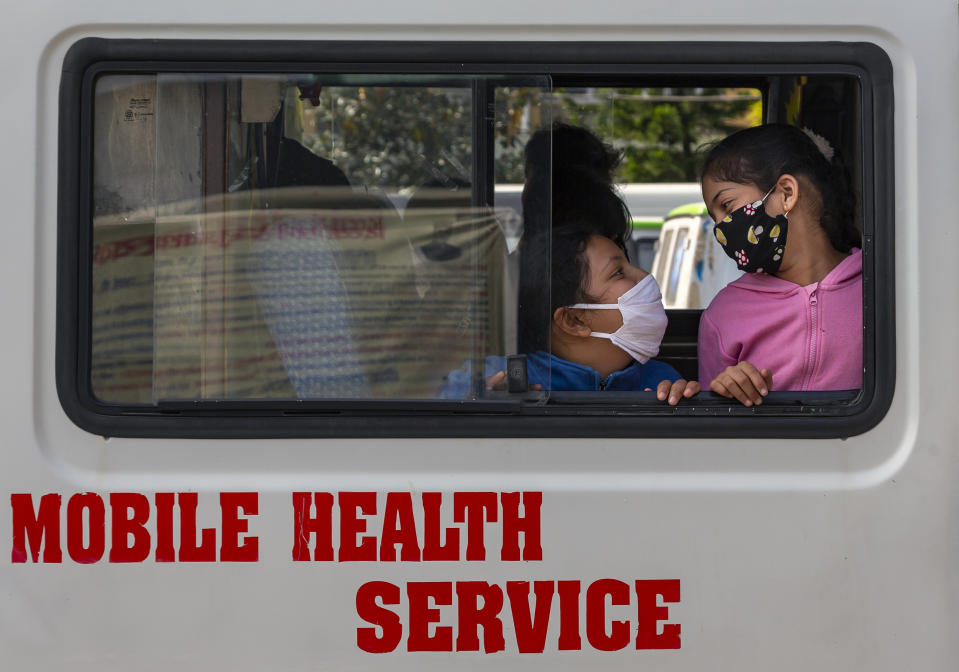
(753, 239)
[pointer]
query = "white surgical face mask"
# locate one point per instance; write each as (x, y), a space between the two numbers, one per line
(644, 320)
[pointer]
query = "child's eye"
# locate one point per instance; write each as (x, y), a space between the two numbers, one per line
(618, 272)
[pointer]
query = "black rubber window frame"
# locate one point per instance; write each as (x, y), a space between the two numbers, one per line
(822, 415)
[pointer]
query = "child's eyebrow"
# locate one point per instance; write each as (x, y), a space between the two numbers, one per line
(612, 260)
(720, 193)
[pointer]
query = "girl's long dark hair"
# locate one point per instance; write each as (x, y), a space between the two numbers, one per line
(761, 154)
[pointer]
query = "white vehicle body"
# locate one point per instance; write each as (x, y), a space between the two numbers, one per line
(776, 553)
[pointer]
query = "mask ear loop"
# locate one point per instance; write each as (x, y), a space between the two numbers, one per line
(763, 200)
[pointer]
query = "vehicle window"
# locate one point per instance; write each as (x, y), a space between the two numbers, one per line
(284, 233)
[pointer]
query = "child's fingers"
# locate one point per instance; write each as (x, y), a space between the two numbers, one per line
(738, 393)
(676, 391)
(729, 386)
(497, 381)
(734, 386)
(744, 382)
(756, 378)
(662, 390)
(681, 389)
(719, 387)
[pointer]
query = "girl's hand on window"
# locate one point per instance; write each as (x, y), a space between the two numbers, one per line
(744, 382)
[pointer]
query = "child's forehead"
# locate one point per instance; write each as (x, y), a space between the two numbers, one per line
(603, 245)
(714, 188)
(720, 182)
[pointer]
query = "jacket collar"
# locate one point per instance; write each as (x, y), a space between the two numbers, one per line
(569, 376)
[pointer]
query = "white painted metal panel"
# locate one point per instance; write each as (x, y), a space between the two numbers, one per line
(792, 554)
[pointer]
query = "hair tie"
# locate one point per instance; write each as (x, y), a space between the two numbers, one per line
(821, 144)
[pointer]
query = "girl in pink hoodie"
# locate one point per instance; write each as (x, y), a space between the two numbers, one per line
(784, 212)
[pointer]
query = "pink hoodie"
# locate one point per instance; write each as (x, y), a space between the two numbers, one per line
(809, 337)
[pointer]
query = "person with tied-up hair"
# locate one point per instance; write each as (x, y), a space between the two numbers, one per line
(784, 212)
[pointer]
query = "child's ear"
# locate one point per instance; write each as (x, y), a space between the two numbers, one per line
(570, 322)
(789, 188)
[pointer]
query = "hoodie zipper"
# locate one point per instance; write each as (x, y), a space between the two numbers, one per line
(814, 329)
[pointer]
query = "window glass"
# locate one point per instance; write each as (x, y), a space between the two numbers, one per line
(293, 236)
(661, 133)
(350, 232)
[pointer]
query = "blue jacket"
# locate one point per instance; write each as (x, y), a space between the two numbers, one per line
(544, 368)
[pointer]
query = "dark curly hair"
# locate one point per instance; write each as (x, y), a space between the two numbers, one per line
(568, 198)
(585, 205)
(563, 145)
